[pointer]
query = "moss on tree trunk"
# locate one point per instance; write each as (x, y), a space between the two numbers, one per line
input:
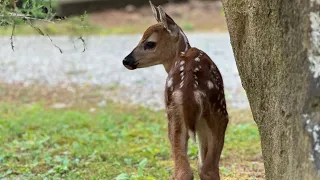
(276, 44)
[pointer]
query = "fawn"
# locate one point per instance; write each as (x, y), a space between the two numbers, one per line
(194, 95)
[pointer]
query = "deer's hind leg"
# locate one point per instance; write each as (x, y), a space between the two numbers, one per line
(216, 126)
(178, 136)
(203, 136)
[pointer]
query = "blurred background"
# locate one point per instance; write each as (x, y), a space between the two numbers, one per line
(69, 107)
(117, 27)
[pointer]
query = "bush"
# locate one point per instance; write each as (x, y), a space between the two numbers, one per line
(40, 9)
(37, 8)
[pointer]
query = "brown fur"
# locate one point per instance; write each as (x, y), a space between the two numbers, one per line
(197, 105)
(157, 28)
(211, 108)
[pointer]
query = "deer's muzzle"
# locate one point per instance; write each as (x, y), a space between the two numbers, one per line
(130, 62)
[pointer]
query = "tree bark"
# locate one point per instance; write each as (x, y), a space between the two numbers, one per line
(276, 44)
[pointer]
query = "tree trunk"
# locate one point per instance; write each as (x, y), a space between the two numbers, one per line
(276, 44)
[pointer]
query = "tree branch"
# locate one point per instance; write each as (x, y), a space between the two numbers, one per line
(41, 32)
(13, 16)
(12, 34)
(84, 43)
(25, 17)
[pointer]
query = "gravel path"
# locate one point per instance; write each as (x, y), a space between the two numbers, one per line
(37, 60)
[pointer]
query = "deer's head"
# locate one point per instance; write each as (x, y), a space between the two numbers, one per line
(160, 43)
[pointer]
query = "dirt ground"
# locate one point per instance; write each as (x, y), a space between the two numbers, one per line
(192, 16)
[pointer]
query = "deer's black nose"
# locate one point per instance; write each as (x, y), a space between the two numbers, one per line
(130, 62)
(125, 62)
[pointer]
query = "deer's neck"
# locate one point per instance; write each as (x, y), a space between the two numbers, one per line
(182, 46)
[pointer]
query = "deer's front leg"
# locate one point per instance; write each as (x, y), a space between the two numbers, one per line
(179, 144)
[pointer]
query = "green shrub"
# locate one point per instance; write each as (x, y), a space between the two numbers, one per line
(40, 9)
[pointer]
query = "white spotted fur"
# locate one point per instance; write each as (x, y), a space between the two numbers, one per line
(169, 83)
(210, 84)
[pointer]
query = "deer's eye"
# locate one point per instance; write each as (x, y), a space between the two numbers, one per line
(149, 45)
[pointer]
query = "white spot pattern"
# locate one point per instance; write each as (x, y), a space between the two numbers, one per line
(197, 95)
(181, 73)
(182, 76)
(181, 84)
(197, 59)
(169, 83)
(210, 84)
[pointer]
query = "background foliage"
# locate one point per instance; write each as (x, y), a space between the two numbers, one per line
(26, 10)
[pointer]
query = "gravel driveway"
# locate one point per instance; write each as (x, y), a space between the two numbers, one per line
(37, 60)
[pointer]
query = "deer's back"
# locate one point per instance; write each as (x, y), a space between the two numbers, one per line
(196, 78)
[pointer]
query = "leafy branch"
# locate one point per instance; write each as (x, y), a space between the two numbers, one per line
(29, 12)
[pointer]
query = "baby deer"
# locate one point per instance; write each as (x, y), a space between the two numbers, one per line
(194, 94)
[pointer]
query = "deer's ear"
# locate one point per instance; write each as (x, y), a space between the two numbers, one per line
(163, 17)
(155, 11)
(168, 22)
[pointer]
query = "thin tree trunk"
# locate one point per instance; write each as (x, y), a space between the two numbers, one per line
(276, 44)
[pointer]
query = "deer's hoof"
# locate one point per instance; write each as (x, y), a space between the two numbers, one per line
(209, 176)
(184, 175)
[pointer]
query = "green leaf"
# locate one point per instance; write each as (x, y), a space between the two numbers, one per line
(142, 165)
(123, 176)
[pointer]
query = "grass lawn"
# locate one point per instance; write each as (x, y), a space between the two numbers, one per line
(112, 142)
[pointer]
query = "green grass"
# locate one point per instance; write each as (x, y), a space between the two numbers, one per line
(114, 142)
